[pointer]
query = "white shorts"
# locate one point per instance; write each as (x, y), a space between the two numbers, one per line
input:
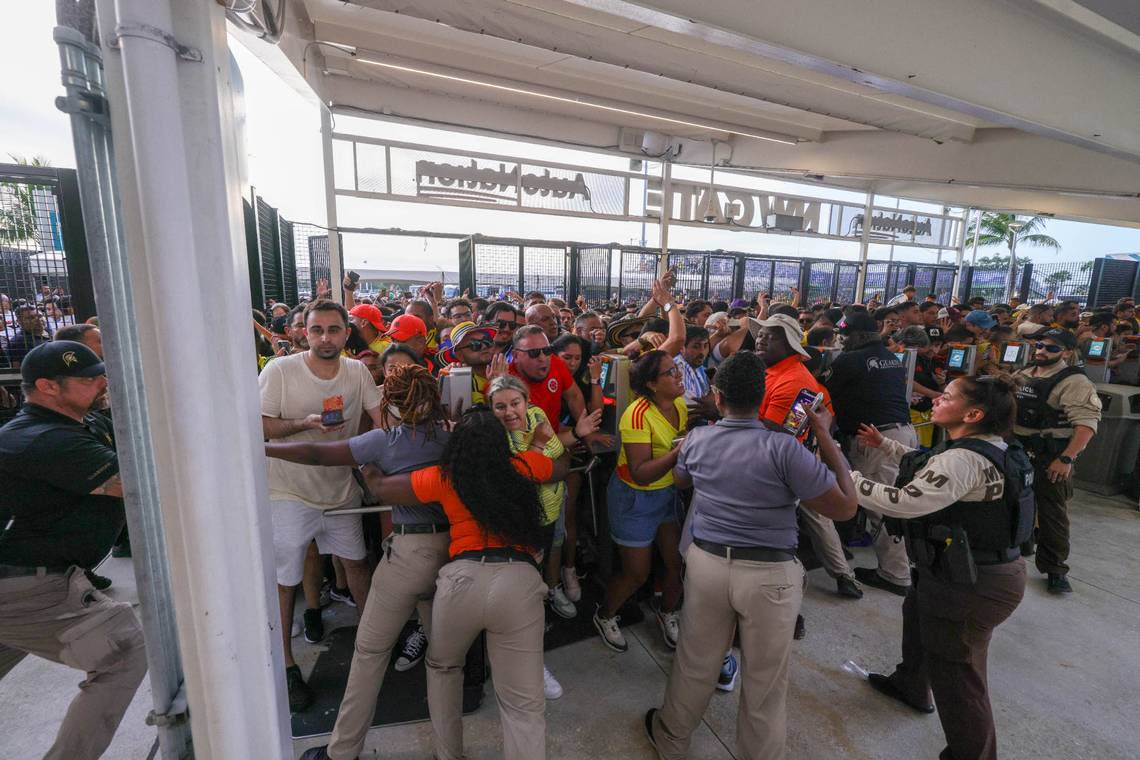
(296, 524)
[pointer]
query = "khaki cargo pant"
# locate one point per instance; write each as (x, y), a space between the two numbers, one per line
(63, 619)
(762, 599)
(826, 543)
(506, 600)
(877, 466)
(404, 579)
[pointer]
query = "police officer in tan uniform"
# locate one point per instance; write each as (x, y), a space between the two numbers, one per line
(61, 509)
(1057, 414)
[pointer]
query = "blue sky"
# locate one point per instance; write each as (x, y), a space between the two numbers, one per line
(280, 123)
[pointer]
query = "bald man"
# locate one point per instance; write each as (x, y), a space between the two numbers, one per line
(545, 317)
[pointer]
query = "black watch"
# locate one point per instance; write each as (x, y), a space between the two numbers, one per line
(1065, 459)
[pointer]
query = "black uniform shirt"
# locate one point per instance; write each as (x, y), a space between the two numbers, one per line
(49, 464)
(868, 384)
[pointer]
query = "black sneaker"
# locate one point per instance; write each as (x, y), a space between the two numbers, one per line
(801, 629)
(98, 582)
(300, 695)
(1059, 584)
(869, 576)
(314, 626)
(414, 649)
(847, 587)
(316, 753)
(649, 729)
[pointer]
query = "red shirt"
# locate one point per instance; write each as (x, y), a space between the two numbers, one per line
(466, 534)
(782, 383)
(547, 394)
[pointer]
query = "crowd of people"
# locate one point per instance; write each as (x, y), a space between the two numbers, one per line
(748, 422)
(27, 322)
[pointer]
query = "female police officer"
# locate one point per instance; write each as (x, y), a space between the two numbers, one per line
(967, 506)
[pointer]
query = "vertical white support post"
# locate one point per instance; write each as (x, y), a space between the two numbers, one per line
(977, 231)
(960, 250)
(864, 246)
(177, 154)
(336, 256)
(666, 215)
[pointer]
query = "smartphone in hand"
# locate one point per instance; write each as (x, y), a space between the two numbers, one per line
(796, 421)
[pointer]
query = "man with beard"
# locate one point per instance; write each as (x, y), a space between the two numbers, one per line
(504, 318)
(1057, 415)
(61, 506)
(547, 376)
(589, 327)
(471, 346)
(297, 329)
(1067, 316)
(318, 395)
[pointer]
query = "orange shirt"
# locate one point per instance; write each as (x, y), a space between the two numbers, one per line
(467, 534)
(782, 383)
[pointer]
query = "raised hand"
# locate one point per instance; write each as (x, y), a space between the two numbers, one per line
(869, 436)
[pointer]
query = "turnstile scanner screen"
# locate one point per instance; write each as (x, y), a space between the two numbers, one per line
(614, 381)
(1098, 349)
(957, 359)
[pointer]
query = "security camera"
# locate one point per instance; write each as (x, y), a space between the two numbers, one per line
(709, 216)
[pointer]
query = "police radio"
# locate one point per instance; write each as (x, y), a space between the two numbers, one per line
(455, 390)
(614, 381)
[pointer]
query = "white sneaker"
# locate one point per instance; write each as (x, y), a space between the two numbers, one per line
(550, 684)
(296, 630)
(562, 606)
(414, 650)
(610, 631)
(570, 584)
(670, 623)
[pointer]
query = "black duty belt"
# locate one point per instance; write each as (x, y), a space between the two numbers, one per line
(16, 571)
(995, 556)
(408, 529)
(891, 426)
(748, 553)
(498, 555)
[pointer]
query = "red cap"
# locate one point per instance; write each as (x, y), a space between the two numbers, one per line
(406, 326)
(369, 312)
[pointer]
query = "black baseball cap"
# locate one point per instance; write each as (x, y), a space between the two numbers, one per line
(1059, 336)
(60, 358)
(859, 321)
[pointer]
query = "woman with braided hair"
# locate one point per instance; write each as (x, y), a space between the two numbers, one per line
(413, 436)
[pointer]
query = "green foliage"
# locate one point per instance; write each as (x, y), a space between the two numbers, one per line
(1056, 279)
(17, 206)
(996, 230)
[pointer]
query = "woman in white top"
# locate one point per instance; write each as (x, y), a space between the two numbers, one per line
(963, 517)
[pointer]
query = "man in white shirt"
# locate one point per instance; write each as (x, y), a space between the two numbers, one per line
(316, 395)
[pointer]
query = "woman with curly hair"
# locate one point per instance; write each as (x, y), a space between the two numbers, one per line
(492, 582)
(413, 436)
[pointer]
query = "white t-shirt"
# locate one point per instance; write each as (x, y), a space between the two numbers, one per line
(290, 391)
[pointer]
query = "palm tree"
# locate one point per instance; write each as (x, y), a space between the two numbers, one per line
(18, 210)
(997, 229)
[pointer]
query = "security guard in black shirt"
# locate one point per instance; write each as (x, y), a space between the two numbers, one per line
(61, 509)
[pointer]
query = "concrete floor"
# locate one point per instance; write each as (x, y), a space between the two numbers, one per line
(1063, 676)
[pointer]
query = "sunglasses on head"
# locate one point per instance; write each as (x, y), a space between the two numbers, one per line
(1048, 347)
(534, 353)
(478, 344)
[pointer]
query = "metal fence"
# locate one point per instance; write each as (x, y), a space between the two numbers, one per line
(1033, 281)
(286, 259)
(489, 267)
(45, 277)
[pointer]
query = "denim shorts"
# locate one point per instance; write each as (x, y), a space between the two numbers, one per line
(635, 515)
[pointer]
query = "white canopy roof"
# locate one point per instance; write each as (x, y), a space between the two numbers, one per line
(1023, 105)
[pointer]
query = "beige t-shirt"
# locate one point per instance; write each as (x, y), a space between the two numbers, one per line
(290, 391)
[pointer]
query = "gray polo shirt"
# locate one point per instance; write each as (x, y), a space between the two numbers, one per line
(746, 480)
(401, 450)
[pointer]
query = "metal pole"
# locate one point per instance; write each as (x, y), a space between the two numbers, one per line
(85, 101)
(336, 255)
(1012, 264)
(977, 231)
(176, 149)
(864, 246)
(666, 214)
(960, 251)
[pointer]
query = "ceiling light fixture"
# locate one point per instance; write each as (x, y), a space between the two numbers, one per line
(783, 140)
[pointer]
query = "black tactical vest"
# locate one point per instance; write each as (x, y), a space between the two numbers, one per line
(1033, 410)
(992, 525)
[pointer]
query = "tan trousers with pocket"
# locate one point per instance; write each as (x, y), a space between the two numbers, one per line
(894, 565)
(404, 579)
(504, 599)
(762, 599)
(63, 619)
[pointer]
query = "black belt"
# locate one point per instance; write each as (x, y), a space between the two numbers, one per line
(17, 571)
(749, 553)
(498, 555)
(408, 529)
(891, 426)
(995, 556)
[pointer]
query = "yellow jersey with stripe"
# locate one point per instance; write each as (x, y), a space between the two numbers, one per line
(643, 422)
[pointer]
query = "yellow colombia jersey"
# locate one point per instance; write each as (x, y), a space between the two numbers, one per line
(644, 423)
(550, 495)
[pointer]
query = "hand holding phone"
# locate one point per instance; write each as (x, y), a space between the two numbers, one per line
(797, 420)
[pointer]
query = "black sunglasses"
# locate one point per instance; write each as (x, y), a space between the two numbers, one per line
(478, 345)
(534, 353)
(506, 324)
(1048, 347)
